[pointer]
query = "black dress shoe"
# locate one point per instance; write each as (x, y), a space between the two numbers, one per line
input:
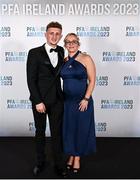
(38, 169)
(61, 171)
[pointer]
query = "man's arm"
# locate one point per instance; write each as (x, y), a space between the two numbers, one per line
(32, 76)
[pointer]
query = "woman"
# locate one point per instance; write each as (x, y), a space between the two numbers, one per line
(78, 74)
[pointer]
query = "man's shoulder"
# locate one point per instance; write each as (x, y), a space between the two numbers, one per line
(60, 48)
(36, 49)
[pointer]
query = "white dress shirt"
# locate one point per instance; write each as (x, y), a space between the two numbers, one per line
(53, 55)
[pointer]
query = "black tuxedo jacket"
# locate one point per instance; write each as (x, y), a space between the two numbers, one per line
(41, 73)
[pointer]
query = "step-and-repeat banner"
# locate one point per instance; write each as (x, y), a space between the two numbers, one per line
(109, 30)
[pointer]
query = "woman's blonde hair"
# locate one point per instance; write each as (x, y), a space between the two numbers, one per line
(71, 34)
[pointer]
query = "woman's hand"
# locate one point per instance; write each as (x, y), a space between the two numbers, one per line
(83, 105)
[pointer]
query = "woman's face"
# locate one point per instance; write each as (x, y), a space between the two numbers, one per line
(72, 44)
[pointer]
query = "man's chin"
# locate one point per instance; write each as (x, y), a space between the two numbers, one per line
(54, 44)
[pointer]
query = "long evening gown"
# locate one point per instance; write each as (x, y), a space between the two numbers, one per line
(78, 127)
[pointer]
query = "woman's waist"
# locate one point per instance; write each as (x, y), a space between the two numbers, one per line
(74, 77)
(78, 98)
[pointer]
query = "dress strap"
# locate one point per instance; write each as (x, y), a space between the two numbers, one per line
(71, 59)
(75, 55)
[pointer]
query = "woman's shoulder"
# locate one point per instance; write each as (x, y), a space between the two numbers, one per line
(86, 59)
(85, 56)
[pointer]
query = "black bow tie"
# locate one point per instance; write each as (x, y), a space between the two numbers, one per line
(55, 50)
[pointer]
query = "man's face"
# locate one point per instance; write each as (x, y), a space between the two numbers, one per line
(53, 36)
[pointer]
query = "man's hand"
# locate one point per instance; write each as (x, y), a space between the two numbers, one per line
(41, 108)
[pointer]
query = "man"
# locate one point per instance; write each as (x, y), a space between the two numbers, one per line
(43, 66)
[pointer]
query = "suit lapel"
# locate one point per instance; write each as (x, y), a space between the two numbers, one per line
(60, 56)
(46, 58)
(48, 62)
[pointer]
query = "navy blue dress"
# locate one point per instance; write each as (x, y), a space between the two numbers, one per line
(78, 127)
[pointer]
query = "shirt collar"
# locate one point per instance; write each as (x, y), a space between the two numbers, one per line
(48, 47)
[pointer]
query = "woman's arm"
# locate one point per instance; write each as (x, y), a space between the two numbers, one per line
(91, 72)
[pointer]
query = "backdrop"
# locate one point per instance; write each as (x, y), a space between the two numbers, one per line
(109, 31)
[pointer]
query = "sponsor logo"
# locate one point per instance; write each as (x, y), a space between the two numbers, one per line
(31, 126)
(117, 104)
(101, 80)
(18, 104)
(20, 56)
(132, 31)
(101, 126)
(35, 31)
(129, 56)
(131, 80)
(5, 31)
(6, 80)
(93, 31)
